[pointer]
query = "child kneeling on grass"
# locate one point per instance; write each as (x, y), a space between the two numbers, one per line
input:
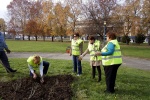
(35, 62)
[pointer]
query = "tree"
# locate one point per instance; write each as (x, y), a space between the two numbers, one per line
(98, 11)
(127, 17)
(117, 20)
(31, 28)
(145, 12)
(61, 18)
(18, 12)
(2, 26)
(36, 15)
(12, 27)
(48, 17)
(75, 13)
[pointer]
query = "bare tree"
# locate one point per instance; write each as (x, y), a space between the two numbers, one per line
(98, 11)
(75, 8)
(18, 12)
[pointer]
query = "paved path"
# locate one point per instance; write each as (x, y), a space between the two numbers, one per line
(127, 61)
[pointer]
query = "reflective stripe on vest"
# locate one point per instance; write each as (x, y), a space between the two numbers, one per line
(115, 58)
(94, 48)
(75, 46)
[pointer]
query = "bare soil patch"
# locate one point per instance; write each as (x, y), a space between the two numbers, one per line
(55, 88)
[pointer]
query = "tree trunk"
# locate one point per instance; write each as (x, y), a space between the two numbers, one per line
(29, 37)
(127, 41)
(23, 36)
(43, 38)
(61, 38)
(36, 38)
(52, 38)
(149, 40)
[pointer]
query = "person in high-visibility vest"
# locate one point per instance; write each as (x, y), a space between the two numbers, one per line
(76, 50)
(35, 62)
(111, 60)
(95, 61)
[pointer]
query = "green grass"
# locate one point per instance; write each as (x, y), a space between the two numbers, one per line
(132, 84)
(140, 51)
(37, 46)
(136, 51)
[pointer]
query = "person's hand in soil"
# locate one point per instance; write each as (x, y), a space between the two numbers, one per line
(34, 76)
(42, 80)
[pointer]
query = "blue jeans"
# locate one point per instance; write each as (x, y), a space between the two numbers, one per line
(76, 65)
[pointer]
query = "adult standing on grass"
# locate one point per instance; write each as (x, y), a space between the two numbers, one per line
(3, 56)
(76, 50)
(95, 60)
(37, 62)
(111, 60)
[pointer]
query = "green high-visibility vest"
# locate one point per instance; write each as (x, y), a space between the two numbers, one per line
(31, 63)
(95, 47)
(75, 46)
(115, 58)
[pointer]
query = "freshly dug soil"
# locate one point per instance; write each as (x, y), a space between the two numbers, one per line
(54, 88)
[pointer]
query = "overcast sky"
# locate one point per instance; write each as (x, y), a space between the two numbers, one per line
(3, 9)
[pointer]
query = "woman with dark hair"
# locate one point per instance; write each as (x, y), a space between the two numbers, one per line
(111, 60)
(95, 60)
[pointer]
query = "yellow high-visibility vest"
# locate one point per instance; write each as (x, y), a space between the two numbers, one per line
(31, 63)
(115, 58)
(75, 46)
(95, 47)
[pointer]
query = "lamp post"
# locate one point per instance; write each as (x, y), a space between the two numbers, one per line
(104, 31)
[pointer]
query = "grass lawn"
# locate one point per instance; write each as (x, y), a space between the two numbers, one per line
(131, 84)
(136, 51)
(141, 51)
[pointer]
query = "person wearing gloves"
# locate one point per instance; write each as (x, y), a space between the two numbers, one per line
(3, 57)
(95, 60)
(37, 62)
(111, 60)
(76, 50)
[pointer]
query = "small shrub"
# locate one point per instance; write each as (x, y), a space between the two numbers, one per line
(125, 39)
(139, 38)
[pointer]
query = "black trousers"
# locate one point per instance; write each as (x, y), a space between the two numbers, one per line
(5, 62)
(45, 69)
(110, 73)
(94, 72)
(46, 66)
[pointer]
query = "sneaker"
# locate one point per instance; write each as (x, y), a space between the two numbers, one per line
(11, 71)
